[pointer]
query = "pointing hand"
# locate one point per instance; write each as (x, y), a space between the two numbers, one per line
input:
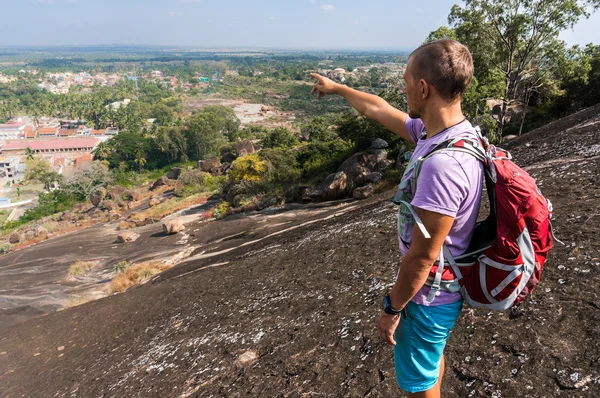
(323, 85)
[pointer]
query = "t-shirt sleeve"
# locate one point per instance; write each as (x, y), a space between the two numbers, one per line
(414, 128)
(442, 185)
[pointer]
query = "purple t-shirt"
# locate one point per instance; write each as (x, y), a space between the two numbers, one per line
(449, 183)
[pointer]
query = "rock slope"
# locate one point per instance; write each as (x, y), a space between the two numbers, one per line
(292, 314)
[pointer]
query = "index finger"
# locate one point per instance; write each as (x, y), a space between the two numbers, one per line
(317, 76)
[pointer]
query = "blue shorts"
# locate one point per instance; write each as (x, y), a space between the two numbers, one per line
(420, 341)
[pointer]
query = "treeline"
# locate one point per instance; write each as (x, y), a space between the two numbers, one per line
(149, 101)
(519, 61)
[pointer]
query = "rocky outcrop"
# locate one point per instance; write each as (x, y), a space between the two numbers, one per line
(97, 196)
(127, 237)
(379, 144)
(109, 205)
(244, 147)
(363, 192)
(174, 173)
(116, 192)
(334, 187)
(153, 202)
(364, 163)
(173, 226)
(160, 182)
(17, 237)
(40, 232)
(208, 164)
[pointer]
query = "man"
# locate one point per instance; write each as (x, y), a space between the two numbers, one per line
(417, 320)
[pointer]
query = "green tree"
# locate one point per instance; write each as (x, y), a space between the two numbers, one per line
(204, 134)
(510, 37)
(280, 138)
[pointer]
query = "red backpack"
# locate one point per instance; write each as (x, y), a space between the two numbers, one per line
(509, 248)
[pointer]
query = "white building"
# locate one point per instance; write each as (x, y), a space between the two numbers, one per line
(12, 130)
(9, 167)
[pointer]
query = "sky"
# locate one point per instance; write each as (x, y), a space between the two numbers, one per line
(333, 24)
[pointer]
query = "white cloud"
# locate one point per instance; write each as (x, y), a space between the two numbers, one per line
(327, 8)
(175, 13)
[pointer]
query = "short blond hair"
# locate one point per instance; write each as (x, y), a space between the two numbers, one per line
(445, 64)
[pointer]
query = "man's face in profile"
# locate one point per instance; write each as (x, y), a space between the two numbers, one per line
(412, 92)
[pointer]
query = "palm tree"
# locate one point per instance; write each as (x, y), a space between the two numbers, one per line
(29, 153)
(102, 151)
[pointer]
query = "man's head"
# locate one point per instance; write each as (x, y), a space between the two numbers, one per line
(437, 73)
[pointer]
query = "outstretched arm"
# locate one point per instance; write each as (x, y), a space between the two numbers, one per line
(370, 105)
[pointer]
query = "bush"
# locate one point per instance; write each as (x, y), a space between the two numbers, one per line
(196, 181)
(49, 203)
(6, 248)
(136, 274)
(81, 267)
(282, 165)
(280, 138)
(248, 168)
(121, 266)
(221, 210)
(318, 159)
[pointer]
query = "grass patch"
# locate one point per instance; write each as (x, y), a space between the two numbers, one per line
(78, 299)
(81, 267)
(136, 274)
(170, 206)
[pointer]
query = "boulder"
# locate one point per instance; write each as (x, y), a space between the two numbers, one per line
(114, 216)
(379, 144)
(363, 192)
(174, 173)
(221, 170)
(135, 195)
(109, 205)
(228, 157)
(29, 235)
(153, 202)
(68, 216)
(334, 186)
(40, 232)
(173, 226)
(97, 196)
(161, 181)
(372, 178)
(16, 238)
(127, 237)
(357, 166)
(208, 164)
(116, 192)
(244, 147)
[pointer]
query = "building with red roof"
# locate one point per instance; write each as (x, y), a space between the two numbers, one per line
(30, 132)
(78, 144)
(67, 133)
(48, 131)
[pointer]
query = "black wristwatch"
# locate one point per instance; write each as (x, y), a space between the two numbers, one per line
(387, 306)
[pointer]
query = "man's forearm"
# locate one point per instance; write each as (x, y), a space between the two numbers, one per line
(413, 275)
(364, 103)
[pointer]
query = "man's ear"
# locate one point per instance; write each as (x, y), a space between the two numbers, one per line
(424, 89)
